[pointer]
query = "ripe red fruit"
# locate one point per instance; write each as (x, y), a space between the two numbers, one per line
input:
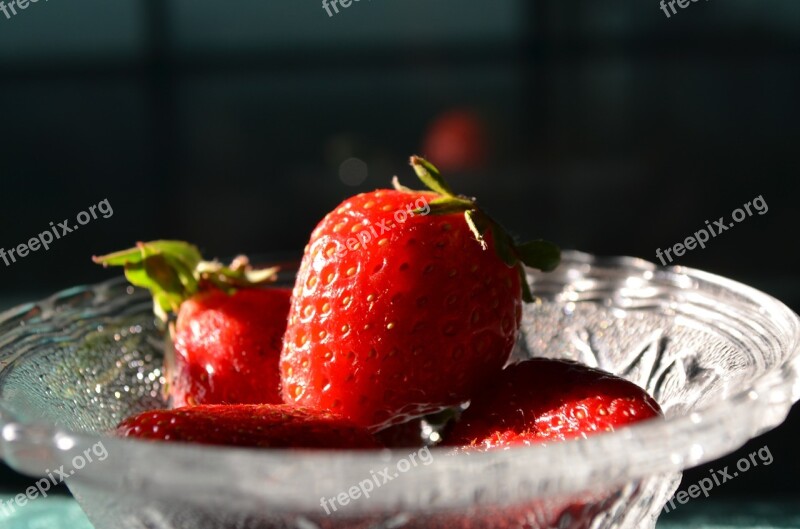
(250, 425)
(543, 400)
(540, 401)
(227, 347)
(404, 302)
(227, 336)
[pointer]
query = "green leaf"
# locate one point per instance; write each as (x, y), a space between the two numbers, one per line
(184, 251)
(430, 176)
(184, 271)
(503, 245)
(476, 226)
(174, 271)
(120, 258)
(542, 255)
(446, 206)
(163, 285)
(238, 275)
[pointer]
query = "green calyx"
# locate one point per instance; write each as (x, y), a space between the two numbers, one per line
(174, 271)
(539, 254)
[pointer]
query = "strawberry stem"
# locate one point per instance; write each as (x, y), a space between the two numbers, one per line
(539, 254)
(431, 176)
(174, 271)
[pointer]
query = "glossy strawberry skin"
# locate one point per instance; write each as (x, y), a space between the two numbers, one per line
(406, 324)
(542, 400)
(227, 347)
(248, 425)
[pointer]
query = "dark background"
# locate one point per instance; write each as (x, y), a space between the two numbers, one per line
(604, 126)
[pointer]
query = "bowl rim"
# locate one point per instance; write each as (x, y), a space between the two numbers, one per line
(682, 441)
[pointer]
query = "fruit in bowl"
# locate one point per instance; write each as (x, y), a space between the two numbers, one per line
(227, 334)
(383, 328)
(405, 303)
(544, 400)
(253, 425)
(493, 464)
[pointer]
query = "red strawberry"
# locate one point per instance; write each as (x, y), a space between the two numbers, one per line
(227, 341)
(251, 425)
(397, 313)
(544, 400)
(228, 347)
(535, 402)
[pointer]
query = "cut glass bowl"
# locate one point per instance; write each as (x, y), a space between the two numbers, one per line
(721, 358)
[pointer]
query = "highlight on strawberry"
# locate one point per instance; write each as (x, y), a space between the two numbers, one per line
(226, 336)
(542, 400)
(248, 425)
(414, 321)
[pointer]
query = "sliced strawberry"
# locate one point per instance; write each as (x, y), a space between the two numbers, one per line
(250, 425)
(404, 303)
(227, 337)
(543, 400)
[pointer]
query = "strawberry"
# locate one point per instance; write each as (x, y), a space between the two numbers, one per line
(227, 336)
(544, 400)
(251, 425)
(228, 347)
(536, 402)
(404, 302)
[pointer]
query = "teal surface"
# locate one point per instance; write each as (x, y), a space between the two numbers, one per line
(64, 513)
(730, 514)
(54, 512)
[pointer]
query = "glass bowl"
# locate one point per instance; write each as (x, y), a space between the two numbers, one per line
(721, 358)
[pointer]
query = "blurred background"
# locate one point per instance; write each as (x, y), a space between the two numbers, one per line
(604, 126)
